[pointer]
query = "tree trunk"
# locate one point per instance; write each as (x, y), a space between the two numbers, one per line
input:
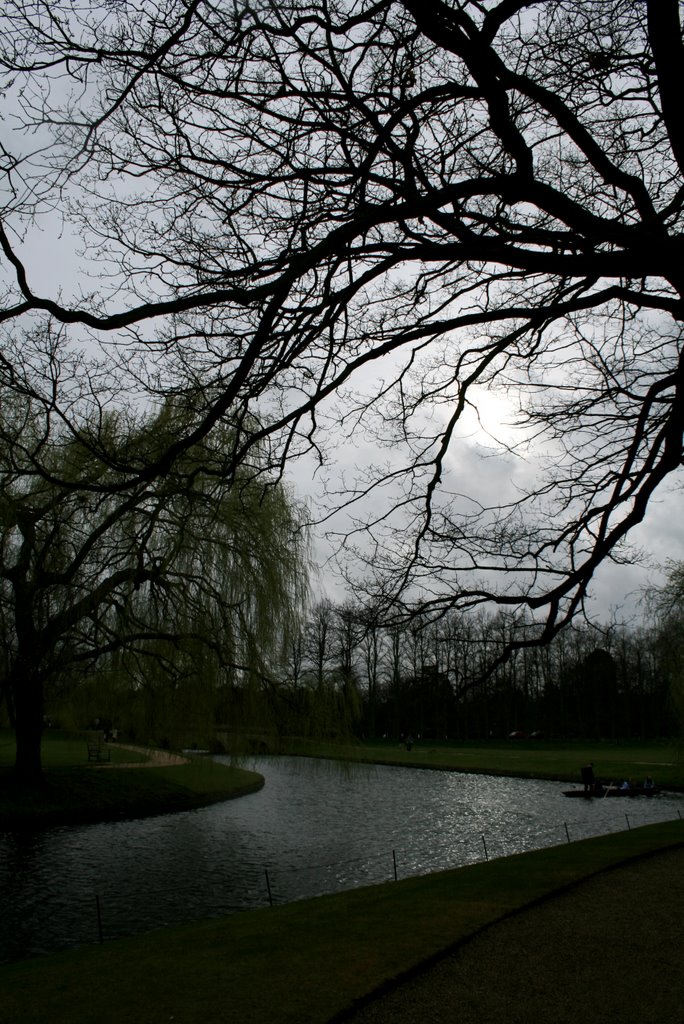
(6, 696)
(28, 708)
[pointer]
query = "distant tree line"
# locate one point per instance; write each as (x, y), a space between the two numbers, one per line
(343, 669)
(434, 678)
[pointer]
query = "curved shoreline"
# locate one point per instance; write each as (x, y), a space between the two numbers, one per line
(608, 957)
(174, 798)
(327, 957)
(173, 794)
(156, 757)
(500, 773)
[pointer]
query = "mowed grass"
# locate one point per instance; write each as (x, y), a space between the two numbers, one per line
(76, 791)
(305, 962)
(560, 760)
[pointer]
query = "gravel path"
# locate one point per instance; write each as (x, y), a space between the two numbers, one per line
(156, 758)
(610, 951)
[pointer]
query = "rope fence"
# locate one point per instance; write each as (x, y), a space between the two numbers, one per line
(113, 913)
(389, 865)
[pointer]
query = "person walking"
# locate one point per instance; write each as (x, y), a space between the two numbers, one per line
(588, 777)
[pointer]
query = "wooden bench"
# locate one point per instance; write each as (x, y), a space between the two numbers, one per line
(96, 752)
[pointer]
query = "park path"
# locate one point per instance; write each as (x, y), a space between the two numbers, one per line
(156, 758)
(608, 951)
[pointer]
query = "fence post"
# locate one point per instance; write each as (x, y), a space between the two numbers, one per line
(566, 830)
(99, 918)
(485, 848)
(268, 886)
(394, 861)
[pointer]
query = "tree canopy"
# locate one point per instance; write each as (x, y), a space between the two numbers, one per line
(190, 574)
(375, 215)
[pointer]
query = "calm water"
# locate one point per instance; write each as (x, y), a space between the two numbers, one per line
(315, 827)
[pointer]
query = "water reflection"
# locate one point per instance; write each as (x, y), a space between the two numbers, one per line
(315, 827)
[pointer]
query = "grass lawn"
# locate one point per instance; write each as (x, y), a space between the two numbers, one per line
(304, 962)
(542, 759)
(78, 791)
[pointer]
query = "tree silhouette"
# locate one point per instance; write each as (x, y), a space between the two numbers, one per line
(190, 573)
(460, 199)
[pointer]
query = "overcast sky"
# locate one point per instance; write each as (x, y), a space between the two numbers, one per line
(616, 590)
(54, 269)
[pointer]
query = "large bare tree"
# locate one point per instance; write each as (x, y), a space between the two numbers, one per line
(377, 214)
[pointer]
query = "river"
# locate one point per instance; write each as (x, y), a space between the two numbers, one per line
(315, 827)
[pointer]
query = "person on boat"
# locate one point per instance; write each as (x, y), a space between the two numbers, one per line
(648, 782)
(588, 777)
(626, 784)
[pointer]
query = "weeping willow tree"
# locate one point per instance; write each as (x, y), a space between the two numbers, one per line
(185, 583)
(234, 585)
(667, 604)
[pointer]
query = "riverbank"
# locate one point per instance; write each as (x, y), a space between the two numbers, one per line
(555, 760)
(311, 962)
(76, 792)
(611, 951)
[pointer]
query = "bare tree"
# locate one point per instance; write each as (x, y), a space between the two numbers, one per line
(319, 641)
(373, 649)
(463, 198)
(667, 606)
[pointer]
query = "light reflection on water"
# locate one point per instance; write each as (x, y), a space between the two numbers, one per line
(315, 827)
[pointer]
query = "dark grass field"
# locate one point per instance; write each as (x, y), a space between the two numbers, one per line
(77, 791)
(543, 759)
